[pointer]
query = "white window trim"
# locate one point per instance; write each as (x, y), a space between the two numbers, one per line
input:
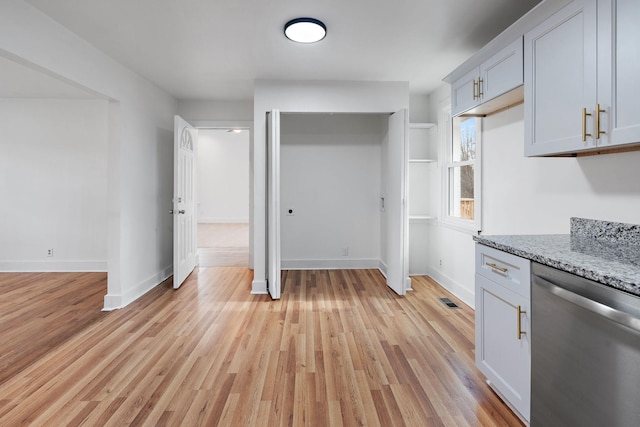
(464, 225)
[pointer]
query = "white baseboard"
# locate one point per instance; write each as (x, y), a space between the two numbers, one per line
(259, 287)
(468, 297)
(419, 273)
(53, 266)
(382, 267)
(212, 220)
(112, 302)
(407, 284)
(115, 301)
(330, 264)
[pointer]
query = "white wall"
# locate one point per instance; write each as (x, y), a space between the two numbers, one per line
(546, 192)
(330, 176)
(216, 110)
(53, 180)
(532, 196)
(140, 134)
(308, 97)
(223, 176)
(419, 108)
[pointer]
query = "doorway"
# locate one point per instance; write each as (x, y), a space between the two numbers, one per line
(223, 197)
(336, 194)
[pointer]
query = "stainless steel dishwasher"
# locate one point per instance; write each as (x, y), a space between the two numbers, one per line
(585, 352)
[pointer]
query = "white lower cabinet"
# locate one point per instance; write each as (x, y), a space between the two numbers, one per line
(503, 318)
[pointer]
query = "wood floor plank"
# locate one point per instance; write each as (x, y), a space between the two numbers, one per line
(73, 302)
(339, 349)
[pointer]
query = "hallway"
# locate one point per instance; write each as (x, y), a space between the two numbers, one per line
(223, 245)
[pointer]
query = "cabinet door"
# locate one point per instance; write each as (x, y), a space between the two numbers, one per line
(502, 72)
(619, 71)
(560, 80)
(464, 92)
(502, 355)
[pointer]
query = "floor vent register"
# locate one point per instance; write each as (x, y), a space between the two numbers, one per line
(448, 303)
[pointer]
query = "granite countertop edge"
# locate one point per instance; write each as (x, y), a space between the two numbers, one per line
(589, 273)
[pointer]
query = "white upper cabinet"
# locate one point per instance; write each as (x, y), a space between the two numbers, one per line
(619, 72)
(497, 75)
(502, 72)
(464, 92)
(560, 80)
(581, 86)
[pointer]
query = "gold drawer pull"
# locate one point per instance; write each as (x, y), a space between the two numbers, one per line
(495, 267)
(520, 313)
(599, 132)
(584, 124)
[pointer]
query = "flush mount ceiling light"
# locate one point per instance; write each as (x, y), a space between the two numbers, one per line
(305, 30)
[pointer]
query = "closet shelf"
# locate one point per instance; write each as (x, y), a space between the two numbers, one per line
(414, 218)
(421, 125)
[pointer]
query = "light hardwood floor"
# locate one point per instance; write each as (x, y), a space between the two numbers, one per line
(223, 245)
(339, 348)
(40, 311)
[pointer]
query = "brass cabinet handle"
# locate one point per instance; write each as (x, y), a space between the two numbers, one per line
(480, 92)
(599, 132)
(520, 331)
(474, 89)
(495, 267)
(584, 124)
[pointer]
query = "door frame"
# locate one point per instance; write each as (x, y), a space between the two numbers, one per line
(273, 259)
(244, 125)
(405, 284)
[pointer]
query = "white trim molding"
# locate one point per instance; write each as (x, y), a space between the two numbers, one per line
(382, 267)
(454, 287)
(259, 287)
(212, 220)
(330, 264)
(116, 301)
(53, 266)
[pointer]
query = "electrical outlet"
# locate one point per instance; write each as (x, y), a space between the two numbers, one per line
(345, 251)
(440, 263)
(50, 252)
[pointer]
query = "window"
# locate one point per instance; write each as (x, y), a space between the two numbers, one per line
(461, 175)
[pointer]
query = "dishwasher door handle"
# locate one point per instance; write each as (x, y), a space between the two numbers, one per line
(598, 308)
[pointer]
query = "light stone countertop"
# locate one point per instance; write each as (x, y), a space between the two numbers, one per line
(605, 252)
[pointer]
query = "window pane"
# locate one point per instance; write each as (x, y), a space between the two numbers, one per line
(461, 194)
(464, 139)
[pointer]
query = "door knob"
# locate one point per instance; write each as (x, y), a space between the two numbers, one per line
(171, 211)
(181, 211)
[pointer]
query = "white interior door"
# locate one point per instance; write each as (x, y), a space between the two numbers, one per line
(184, 200)
(395, 204)
(273, 203)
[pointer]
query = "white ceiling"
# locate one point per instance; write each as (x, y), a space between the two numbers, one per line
(215, 49)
